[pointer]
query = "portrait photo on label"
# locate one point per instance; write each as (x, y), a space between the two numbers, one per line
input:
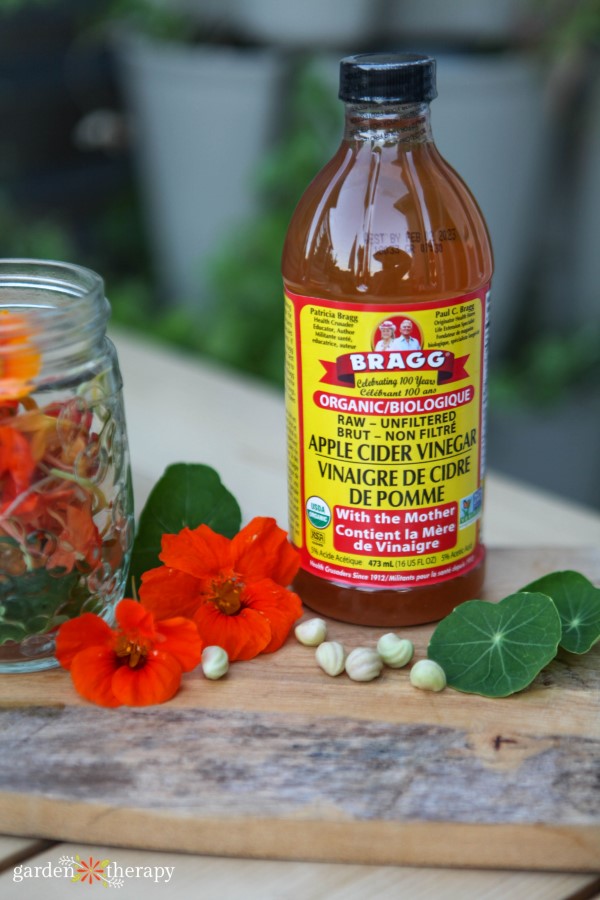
(397, 333)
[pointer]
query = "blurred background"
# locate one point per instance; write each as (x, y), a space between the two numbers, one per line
(165, 143)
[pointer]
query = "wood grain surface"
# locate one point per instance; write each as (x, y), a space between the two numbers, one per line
(280, 761)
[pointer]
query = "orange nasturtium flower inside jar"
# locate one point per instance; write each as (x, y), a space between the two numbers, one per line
(16, 465)
(234, 590)
(138, 663)
(20, 361)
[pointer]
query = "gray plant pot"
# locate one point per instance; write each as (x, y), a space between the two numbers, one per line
(489, 122)
(459, 21)
(557, 450)
(201, 119)
(313, 24)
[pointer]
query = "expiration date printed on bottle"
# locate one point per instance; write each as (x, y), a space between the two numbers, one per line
(385, 411)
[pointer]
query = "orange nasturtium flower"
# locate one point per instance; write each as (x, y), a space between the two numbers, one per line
(139, 663)
(16, 465)
(234, 590)
(20, 362)
(79, 539)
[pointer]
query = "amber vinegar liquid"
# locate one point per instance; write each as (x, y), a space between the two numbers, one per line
(387, 221)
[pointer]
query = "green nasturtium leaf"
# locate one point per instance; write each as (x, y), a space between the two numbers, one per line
(188, 494)
(497, 649)
(578, 605)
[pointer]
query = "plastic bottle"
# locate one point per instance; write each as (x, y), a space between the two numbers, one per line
(387, 267)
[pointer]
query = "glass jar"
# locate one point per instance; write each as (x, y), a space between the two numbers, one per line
(66, 503)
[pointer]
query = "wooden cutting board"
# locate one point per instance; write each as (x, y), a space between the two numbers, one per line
(278, 760)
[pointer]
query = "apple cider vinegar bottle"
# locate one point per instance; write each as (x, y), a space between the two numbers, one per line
(387, 267)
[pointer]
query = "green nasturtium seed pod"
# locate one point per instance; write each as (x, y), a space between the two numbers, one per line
(364, 664)
(395, 651)
(311, 632)
(427, 675)
(215, 662)
(331, 657)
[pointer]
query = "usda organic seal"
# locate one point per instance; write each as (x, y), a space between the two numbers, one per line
(319, 514)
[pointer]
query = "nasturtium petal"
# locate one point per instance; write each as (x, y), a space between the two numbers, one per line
(179, 638)
(242, 636)
(497, 649)
(81, 633)
(198, 552)
(262, 550)
(92, 671)
(578, 605)
(188, 494)
(168, 593)
(155, 682)
(281, 607)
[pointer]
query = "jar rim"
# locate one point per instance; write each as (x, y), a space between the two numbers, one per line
(56, 309)
(50, 274)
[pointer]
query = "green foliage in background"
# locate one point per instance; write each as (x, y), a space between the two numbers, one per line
(40, 237)
(548, 368)
(569, 27)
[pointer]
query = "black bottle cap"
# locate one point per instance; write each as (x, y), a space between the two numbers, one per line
(387, 78)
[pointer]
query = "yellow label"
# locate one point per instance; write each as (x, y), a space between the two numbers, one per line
(385, 412)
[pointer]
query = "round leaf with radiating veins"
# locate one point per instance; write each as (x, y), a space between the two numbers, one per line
(496, 649)
(578, 605)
